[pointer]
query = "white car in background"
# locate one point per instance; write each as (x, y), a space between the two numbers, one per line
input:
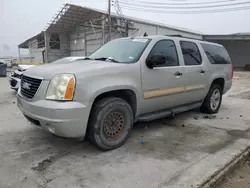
(7, 62)
(16, 76)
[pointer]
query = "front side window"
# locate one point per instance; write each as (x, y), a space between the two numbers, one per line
(191, 53)
(121, 50)
(216, 54)
(168, 50)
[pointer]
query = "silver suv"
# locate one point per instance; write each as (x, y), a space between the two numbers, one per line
(126, 80)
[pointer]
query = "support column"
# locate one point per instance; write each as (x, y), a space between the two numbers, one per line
(85, 42)
(127, 30)
(109, 20)
(157, 30)
(103, 29)
(19, 56)
(46, 44)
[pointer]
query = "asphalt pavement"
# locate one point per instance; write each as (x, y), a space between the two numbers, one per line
(181, 152)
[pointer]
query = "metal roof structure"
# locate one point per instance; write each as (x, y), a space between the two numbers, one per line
(235, 36)
(71, 16)
(25, 44)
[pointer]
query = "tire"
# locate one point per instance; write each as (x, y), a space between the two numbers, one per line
(111, 121)
(208, 106)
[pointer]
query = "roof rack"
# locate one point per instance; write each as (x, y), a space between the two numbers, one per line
(178, 35)
(174, 35)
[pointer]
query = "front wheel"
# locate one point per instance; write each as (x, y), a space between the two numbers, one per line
(110, 123)
(213, 100)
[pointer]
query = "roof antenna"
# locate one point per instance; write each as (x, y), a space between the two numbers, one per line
(145, 34)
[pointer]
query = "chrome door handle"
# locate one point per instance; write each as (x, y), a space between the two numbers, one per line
(178, 73)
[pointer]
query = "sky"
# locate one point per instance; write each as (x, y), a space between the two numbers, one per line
(22, 19)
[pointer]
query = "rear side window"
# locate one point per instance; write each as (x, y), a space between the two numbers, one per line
(216, 54)
(191, 53)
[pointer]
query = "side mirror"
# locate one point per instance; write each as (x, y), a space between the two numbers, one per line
(155, 60)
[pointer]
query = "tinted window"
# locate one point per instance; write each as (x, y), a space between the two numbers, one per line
(166, 48)
(191, 53)
(216, 54)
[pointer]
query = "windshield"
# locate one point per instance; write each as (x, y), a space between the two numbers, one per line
(122, 50)
(67, 60)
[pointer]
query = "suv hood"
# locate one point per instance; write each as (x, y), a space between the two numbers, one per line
(24, 67)
(48, 71)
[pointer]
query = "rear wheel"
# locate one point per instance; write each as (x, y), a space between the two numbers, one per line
(213, 100)
(111, 120)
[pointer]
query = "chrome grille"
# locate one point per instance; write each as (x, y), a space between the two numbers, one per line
(29, 86)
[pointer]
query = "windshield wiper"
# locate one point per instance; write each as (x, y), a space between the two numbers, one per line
(107, 59)
(87, 58)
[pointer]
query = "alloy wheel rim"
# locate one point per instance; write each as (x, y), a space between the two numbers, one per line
(215, 99)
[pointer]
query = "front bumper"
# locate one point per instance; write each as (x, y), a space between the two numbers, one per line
(66, 119)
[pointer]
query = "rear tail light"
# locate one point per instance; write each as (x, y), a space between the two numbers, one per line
(232, 74)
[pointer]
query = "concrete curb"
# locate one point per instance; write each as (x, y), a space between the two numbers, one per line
(221, 173)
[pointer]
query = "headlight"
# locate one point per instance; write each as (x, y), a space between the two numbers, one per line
(61, 87)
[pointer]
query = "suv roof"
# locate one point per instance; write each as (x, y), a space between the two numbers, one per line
(180, 37)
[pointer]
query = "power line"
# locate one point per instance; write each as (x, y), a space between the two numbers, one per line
(123, 22)
(171, 3)
(186, 12)
(135, 5)
(116, 4)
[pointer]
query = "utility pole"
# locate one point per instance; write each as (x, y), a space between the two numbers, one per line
(109, 20)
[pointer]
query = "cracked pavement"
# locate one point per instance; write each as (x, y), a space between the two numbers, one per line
(179, 152)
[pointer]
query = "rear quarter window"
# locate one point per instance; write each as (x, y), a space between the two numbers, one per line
(216, 54)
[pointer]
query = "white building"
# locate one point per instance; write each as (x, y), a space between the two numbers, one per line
(79, 31)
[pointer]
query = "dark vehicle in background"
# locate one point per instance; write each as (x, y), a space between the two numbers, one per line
(2, 69)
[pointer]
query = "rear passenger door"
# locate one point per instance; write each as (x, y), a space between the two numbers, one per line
(196, 73)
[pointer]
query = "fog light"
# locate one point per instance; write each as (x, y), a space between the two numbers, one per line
(52, 129)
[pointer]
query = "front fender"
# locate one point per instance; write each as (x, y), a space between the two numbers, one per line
(88, 90)
(114, 88)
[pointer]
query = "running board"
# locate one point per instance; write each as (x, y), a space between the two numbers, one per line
(169, 112)
(155, 115)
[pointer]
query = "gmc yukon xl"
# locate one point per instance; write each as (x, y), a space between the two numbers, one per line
(126, 80)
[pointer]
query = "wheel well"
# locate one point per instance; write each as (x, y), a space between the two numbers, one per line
(125, 94)
(219, 81)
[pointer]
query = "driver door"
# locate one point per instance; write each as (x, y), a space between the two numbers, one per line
(163, 85)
